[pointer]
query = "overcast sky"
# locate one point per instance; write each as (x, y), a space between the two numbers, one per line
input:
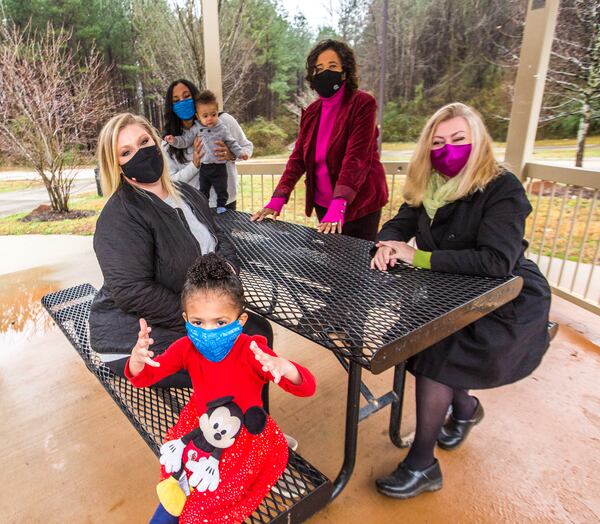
(317, 12)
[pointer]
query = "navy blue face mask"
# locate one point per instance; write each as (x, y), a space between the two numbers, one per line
(185, 109)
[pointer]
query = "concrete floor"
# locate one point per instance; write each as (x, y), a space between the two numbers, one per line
(69, 455)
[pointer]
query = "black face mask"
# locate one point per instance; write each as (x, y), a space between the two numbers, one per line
(146, 166)
(327, 83)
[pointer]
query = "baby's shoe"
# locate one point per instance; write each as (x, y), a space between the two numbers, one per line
(221, 210)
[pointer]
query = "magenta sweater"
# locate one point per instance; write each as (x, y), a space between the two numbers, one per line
(329, 110)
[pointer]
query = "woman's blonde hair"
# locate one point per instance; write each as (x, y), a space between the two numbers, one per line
(479, 170)
(108, 155)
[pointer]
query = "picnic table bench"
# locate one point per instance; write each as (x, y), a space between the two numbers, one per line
(154, 410)
(320, 287)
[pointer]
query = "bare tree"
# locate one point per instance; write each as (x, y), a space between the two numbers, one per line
(351, 16)
(164, 59)
(181, 55)
(51, 103)
(574, 74)
(238, 50)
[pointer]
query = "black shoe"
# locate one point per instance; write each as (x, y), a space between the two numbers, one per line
(405, 483)
(454, 431)
(552, 330)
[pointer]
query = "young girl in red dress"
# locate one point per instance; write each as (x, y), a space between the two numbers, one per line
(225, 453)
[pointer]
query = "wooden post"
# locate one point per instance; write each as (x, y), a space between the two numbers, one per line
(529, 85)
(212, 48)
(382, 55)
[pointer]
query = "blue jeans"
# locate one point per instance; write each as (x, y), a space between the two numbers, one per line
(162, 516)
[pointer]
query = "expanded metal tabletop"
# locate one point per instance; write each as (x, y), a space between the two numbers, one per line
(320, 286)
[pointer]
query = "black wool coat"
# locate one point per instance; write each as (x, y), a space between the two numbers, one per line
(144, 248)
(482, 234)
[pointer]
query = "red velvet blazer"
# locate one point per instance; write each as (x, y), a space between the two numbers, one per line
(355, 170)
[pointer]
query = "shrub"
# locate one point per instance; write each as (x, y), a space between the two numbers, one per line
(268, 138)
(401, 122)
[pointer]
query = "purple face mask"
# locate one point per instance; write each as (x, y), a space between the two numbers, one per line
(450, 159)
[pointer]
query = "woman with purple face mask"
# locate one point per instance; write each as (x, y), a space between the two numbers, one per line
(467, 214)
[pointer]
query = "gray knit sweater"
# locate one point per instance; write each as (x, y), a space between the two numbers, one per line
(208, 135)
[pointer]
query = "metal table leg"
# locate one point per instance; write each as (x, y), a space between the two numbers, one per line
(351, 440)
(396, 408)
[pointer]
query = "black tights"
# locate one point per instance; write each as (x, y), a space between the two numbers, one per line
(433, 400)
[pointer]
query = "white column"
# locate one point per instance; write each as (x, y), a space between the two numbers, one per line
(531, 79)
(212, 49)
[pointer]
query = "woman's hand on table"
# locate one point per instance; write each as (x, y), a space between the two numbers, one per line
(141, 354)
(330, 227)
(198, 152)
(263, 213)
(389, 251)
(333, 220)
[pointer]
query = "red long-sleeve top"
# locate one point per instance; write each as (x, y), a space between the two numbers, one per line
(239, 374)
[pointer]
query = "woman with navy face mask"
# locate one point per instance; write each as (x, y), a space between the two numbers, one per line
(337, 150)
(184, 164)
(467, 214)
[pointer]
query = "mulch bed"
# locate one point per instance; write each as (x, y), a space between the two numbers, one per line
(44, 213)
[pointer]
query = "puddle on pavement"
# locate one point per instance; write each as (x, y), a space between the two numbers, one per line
(21, 312)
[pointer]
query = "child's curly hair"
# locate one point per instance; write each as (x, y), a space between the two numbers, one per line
(212, 273)
(206, 97)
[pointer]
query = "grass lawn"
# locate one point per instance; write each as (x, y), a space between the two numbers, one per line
(7, 186)
(12, 225)
(563, 149)
(564, 232)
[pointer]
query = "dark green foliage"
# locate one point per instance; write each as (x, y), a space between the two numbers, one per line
(268, 138)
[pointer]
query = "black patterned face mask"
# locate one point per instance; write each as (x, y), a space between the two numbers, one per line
(146, 166)
(327, 83)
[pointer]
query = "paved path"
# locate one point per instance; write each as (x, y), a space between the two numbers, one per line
(84, 173)
(13, 202)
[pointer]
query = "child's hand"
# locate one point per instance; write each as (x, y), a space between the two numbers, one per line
(140, 354)
(169, 139)
(244, 156)
(277, 366)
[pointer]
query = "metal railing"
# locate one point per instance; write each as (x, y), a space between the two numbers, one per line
(258, 180)
(563, 230)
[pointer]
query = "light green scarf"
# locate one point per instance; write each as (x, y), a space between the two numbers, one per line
(440, 190)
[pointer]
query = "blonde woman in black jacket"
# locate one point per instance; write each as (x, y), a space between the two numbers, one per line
(467, 214)
(149, 233)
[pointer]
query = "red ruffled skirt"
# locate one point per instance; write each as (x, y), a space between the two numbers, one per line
(247, 472)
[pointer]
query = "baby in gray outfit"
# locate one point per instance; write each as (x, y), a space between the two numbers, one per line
(213, 170)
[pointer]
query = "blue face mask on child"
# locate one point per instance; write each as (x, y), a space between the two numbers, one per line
(185, 109)
(214, 344)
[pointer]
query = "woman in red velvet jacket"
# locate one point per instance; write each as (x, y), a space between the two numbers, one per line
(337, 149)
